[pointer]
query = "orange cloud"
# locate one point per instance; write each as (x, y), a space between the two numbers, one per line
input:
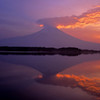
(89, 19)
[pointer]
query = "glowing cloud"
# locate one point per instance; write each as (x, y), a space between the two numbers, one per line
(97, 6)
(86, 20)
(85, 27)
(41, 25)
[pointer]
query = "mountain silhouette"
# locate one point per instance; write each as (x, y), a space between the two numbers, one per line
(49, 37)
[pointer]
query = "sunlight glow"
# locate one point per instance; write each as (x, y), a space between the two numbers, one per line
(88, 19)
(41, 25)
(97, 6)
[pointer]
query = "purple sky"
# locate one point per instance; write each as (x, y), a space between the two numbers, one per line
(18, 17)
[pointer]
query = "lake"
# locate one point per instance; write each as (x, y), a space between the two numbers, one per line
(50, 77)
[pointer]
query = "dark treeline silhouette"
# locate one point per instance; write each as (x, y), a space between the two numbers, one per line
(69, 51)
(6, 48)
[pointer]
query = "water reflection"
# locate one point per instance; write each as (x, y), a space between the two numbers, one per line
(48, 65)
(50, 77)
(85, 76)
(89, 69)
(89, 85)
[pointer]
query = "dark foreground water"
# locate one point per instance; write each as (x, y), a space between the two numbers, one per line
(28, 77)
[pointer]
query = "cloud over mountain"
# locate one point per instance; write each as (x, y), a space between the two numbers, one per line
(88, 18)
(86, 26)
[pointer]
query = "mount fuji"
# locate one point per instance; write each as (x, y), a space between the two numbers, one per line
(49, 37)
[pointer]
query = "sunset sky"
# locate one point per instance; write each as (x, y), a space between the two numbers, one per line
(79, 18)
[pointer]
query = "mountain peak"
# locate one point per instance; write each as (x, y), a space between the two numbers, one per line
(49, 37)
(50, 29)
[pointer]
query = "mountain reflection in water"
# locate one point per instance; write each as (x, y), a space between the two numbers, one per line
(87, 78)
(46, 72)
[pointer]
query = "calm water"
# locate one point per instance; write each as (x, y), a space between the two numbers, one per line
(28, 77)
